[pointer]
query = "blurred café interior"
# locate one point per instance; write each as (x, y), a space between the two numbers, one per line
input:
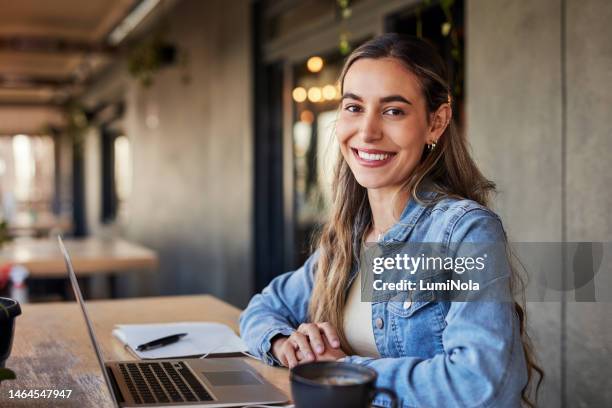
(185, 146)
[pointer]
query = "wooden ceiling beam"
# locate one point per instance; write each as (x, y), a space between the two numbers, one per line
(29, 82)
(32, 104)
(53, 45)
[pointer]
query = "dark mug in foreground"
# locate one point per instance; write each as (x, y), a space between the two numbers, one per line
(335, 384)
(9, 310)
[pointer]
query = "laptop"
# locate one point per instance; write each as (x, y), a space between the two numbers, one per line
(217, 382)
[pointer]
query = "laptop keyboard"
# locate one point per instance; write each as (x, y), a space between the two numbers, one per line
(162, 382)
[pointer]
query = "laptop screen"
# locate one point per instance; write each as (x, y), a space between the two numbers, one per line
(81, 302)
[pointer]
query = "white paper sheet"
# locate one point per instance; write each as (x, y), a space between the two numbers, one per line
(202, 338)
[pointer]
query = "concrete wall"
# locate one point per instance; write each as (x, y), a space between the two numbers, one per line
(552, 182)
(192, 176)
(589, 190)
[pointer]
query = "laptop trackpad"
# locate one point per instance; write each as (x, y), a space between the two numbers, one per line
(224, 378)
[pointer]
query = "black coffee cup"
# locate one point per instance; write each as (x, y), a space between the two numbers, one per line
(335, 384)
(9, 310)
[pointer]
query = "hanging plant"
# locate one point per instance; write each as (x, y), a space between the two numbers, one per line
(6, 374)
(447, 29)
(77, 123)
(4, 233)
(344, 45)
(149, 56)
(419, 17)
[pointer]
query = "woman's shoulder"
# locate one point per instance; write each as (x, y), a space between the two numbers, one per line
(460, 216)
(457, 206)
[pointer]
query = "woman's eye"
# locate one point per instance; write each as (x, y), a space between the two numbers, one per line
(352, 108)
(394, 112)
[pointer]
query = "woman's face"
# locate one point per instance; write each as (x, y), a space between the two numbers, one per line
(383, 124)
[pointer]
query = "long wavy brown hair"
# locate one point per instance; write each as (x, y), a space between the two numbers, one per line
(448, 170)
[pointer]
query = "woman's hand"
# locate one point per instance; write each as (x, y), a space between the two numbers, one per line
(311, 342)
(330, 353)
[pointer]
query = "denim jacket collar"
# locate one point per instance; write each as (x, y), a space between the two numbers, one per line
(411, 214)
(402, 229)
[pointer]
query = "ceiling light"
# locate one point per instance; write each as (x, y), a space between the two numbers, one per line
(299, 94)
(131, 21)
(314, 64)
(329, 92)
(314, 94)
(307, 116)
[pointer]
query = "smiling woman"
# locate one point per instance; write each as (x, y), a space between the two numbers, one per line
(384, 124)
(404, 175)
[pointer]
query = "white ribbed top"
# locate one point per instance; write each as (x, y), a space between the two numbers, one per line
(358, 322)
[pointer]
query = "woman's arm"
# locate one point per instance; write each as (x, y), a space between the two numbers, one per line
(278, 310)
(483, 362)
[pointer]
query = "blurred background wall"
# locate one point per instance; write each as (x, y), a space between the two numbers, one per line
(538, 120)
(191, 141)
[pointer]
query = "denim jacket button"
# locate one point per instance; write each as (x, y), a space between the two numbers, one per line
(380, 323)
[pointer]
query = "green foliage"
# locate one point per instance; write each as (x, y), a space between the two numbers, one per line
(77, 124)
(145, 59)
(152, 54)
(344, 45)
(6, 374)
(448, 30)
(4, 234)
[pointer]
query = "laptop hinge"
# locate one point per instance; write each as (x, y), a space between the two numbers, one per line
(114, 384)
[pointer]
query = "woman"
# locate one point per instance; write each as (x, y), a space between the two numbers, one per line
(404, 175)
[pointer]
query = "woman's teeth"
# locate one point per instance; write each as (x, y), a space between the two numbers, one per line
(372, 157)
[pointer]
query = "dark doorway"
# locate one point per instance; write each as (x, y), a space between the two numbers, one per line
(269, 222)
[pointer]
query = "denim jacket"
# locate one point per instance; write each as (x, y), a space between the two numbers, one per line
(433, 353)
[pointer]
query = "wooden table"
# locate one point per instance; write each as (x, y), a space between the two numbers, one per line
(39, 226)
(51, 347)
(91, 255)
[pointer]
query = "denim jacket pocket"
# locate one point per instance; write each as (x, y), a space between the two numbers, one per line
(416, 326)
(399, 310)
(405, 305)
(408, 307)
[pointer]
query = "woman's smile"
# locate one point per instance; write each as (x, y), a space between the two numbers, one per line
(372, 157)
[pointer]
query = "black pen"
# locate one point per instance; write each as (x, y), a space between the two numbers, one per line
(164, 341)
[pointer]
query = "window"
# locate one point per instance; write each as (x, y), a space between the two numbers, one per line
(123, 174)
(27, 177)
(116, 175)
(315, 101)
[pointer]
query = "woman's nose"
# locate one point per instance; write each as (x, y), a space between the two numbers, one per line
(370, 128)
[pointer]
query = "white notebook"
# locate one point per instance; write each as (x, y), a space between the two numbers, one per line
(202, 338)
